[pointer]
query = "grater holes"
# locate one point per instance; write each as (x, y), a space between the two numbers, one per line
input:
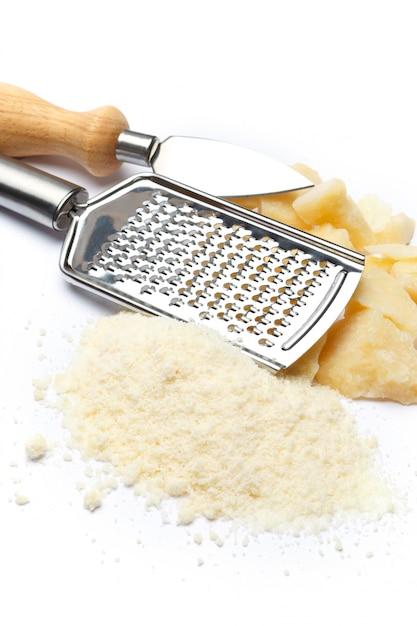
(273, 331)
(212, 271)
(266, 342)
(234, 328)
(148, 289)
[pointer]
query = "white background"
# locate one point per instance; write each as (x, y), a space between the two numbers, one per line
(328, 83)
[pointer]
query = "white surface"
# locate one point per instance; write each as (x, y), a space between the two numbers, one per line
(327, 83)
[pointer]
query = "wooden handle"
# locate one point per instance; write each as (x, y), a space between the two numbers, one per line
(30, 126)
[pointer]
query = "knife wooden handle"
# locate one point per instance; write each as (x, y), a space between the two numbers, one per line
(30, 126)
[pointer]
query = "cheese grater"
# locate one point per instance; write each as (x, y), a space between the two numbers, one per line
(156, 246)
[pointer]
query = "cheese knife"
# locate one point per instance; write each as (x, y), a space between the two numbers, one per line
(100, 140)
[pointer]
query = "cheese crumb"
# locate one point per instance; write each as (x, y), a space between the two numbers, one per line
(177, 412)
(36, 447)
(216, 539)
(40, 387)
(92, 499)
(21, 499)
(69, 338)
(338, 544)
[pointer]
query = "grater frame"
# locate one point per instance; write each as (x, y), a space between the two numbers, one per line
(163, 248)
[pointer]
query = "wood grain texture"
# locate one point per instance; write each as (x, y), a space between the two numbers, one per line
(31, 126)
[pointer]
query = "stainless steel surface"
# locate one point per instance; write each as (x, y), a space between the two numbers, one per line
(216, 167)
(46, 199)
(138, 148)
(157, 246)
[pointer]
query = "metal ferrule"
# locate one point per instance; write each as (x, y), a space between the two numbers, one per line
(138, 148)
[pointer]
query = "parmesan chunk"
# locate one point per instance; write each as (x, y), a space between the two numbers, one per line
(367, 356)
(328, 203)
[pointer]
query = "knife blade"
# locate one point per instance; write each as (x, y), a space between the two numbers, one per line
(100, 140)
(216, 167)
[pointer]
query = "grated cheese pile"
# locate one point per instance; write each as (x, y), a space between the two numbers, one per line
(180, 413)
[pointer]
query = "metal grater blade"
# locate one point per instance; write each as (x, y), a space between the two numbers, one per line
(168, 250)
